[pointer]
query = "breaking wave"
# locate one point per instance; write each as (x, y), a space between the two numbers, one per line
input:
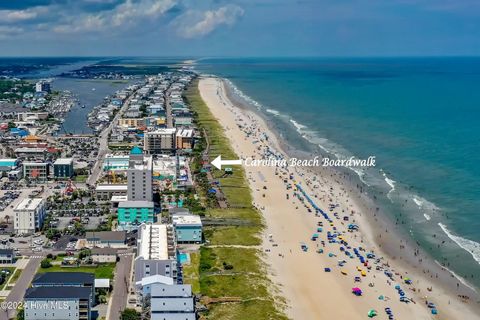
(465, 283)
(470, 246)
(273, 111)
(391, 183)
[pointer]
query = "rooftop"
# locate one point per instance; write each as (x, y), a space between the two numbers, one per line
(153, 242)
(58, 292)
(63, 278)
(163, 131)
(158, 278)
(111, 187)
(29, 204)
(186, 219)
(31, 150)
(136, 204)
(104, 251)
(107, 235)
(64, 161)
(185, 133)
(136, 150)
(8, 162)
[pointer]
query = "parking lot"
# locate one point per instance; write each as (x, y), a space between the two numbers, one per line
(89, 223)
(22, 245)
(7, 197)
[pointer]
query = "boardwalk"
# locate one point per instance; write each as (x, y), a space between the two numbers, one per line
(221, 200)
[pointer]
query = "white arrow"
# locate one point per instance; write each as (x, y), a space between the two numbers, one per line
(218, 162)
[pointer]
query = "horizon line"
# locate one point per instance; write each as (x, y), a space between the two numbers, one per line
(239, 56)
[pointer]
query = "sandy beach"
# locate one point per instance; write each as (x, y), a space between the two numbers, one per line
(290, 220)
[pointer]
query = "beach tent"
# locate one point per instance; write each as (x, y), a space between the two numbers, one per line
(357, 291)
(372, 313)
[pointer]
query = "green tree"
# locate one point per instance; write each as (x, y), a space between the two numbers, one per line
(45, 264)
(84, 253)
(130, 314)
(20, 314)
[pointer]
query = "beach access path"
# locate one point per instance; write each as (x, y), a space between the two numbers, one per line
(311, 293)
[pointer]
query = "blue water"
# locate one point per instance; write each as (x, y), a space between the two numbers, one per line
(183, 258)
(90, 93)
(420, 117)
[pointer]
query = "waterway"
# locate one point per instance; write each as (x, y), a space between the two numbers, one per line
(90, 93)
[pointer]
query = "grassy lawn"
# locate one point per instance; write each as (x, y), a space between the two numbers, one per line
(255, 309)
(11, 269)
(81, 178)
(233, 235)
(242, 213)
(15, 276)
(218, 272)
(192, 273)
(104, 270)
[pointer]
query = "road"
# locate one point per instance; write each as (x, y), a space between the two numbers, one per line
(103, 142)
(118, 300)
(168, 107)
(18, 291)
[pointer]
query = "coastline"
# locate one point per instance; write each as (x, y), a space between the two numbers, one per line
(410, 255)
(299, 290)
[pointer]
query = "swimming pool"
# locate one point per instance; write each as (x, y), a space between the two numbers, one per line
(184, 258)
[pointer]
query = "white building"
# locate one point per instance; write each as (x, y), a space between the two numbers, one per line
(105, 192)
(29, 215)
(42, 86)
(156, 252)
(160, 141)
(139, 176)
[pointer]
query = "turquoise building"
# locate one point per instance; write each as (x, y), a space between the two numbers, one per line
(133, 213)
(188, 228)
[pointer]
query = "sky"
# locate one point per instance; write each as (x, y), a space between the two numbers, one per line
(239, 27)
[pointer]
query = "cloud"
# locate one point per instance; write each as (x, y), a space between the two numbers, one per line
(193, 23)
(15, 16)
(8, 31)
(120, 18)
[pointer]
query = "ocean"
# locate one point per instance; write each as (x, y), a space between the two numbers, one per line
(420, 118)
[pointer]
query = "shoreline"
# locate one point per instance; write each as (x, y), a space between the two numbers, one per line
(413, 257)
(291, 290)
